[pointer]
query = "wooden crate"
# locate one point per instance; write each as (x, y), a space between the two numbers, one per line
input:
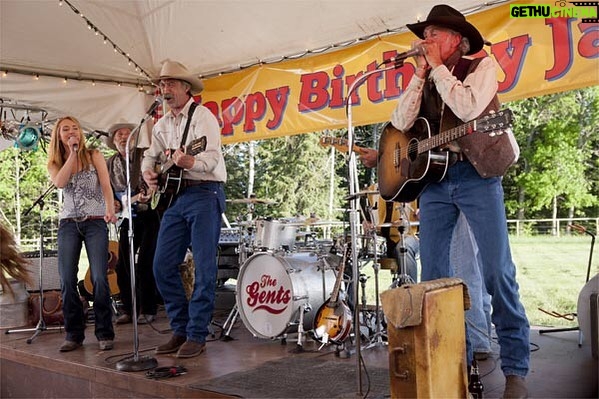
(427, 340)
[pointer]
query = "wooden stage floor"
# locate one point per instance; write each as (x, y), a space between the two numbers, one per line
(559, 368)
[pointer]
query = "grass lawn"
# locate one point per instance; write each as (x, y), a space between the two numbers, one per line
(550, 271)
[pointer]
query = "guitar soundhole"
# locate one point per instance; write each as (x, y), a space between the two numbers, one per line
(412, 150)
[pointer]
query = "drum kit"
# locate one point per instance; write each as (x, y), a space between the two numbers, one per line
(285, 274)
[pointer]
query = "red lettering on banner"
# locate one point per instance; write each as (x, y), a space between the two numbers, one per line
(254, 107)
(232, 110)
(372, 83)
(277, 99)
(510, 56)
(263, 295)
(588, 46)
(318, 91)
(313, 95)
(337, 93)
(562, 47)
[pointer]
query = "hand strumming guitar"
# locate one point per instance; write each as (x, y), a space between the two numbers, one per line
(151, 179)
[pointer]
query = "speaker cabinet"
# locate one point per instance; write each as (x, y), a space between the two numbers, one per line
(50, 275)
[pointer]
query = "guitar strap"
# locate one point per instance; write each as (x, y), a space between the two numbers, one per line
(192, 108)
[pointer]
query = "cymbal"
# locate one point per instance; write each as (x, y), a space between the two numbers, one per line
(311, 221)
(250, 201)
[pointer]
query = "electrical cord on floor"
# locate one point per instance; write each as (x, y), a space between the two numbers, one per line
(166, 372)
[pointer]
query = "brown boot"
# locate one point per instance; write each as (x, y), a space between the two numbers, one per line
(172, 345)
(515, 387)
(191, 349)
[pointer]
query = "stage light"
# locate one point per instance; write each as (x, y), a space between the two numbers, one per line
(28, 138)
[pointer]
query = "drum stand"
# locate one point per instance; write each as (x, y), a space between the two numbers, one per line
(41, 324)
(242, 251)
(377, 338)
(403, 277)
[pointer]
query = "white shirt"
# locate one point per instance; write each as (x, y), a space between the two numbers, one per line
(466, 99)
(167, 133)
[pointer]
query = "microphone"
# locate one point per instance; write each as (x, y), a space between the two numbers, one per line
(154, 105)
(399, 58)
(75, 145)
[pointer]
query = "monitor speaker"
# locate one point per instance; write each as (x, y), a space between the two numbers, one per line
(50, 275)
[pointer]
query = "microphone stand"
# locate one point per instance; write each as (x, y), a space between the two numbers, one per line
(41, 324)
(136, 362)
(353, 213)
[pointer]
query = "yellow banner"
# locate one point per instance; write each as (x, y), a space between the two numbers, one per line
(535, 56)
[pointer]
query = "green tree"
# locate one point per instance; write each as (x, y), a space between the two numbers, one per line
(557, 135)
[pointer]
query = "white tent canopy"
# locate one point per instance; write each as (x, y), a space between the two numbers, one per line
(104, 40)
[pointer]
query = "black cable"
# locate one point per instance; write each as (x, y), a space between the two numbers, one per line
(166, 372)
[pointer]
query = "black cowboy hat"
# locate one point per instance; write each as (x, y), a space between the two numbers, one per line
(447, 17)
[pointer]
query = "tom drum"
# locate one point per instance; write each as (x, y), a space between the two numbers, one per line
(274, 234)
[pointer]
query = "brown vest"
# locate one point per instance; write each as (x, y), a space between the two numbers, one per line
(491, 155)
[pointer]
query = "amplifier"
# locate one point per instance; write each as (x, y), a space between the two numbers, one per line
(50, 275)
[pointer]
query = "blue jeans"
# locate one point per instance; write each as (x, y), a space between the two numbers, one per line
(193, 219)
(71, 236)
(465, 258)
(481, 201)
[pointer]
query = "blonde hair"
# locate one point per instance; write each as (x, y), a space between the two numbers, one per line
(57, 150)
(12, 262)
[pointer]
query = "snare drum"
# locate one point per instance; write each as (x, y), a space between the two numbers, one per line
(274, 234)
(272, 289)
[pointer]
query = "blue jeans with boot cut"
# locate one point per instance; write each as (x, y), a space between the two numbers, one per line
(481, 201)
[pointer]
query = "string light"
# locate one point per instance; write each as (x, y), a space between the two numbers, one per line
(77, 77)
(276, 59)
(106, 39)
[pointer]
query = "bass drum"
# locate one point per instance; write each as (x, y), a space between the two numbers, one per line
(271, 290)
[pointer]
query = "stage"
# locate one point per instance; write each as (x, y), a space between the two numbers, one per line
(247, 366)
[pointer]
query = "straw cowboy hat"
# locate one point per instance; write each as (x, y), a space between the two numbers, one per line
(447, 17)
(176, 70)
(112, 130)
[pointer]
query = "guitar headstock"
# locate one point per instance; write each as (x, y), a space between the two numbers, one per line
(197, 146)
(495, 123)
(339, 143)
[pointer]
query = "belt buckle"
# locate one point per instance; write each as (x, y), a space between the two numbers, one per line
(80, 219)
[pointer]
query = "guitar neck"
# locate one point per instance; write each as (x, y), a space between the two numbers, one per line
(446, 137)
(337, 287)
(194, 148)
(341, 145)
(166, 166)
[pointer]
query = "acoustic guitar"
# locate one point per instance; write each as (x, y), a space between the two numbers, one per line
(333, 321)
(408, 161)
(113, 249)
(170, 177)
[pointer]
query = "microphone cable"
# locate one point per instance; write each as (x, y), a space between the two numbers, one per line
(166, 372)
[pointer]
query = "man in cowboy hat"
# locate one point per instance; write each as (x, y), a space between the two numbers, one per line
(194, 216)
(145, 225)
(449, 89)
